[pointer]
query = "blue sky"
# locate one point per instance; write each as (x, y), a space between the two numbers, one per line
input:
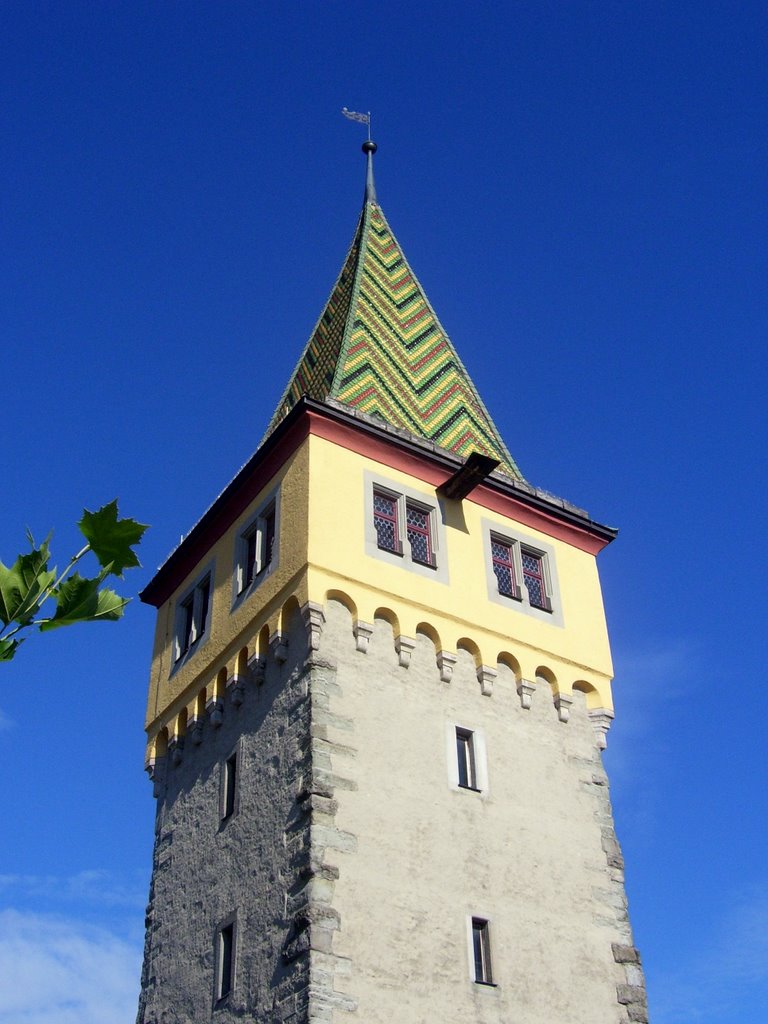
(581, 189)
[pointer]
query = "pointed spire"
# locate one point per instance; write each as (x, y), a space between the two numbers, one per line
(369, 148)
(380, 348)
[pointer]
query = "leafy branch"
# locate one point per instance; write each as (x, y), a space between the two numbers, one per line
(30, 584)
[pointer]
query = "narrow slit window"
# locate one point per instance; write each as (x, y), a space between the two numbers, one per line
(225, 958)
(465, 756)
(229, 789)
(481, 951)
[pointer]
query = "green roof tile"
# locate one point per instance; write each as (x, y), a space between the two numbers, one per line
(380, 348)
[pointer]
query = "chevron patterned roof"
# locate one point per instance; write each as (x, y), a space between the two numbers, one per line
(379, 347)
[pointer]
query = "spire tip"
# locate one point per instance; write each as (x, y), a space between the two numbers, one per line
(369, 148)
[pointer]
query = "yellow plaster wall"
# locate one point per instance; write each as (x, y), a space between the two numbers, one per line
(576, 653)
(170, 692)
(323, 484)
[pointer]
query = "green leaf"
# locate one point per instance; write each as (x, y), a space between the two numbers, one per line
(23, 585)
(8, 649)
(111, 538)
(79, 599)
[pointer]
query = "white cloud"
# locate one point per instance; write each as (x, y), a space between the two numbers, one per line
(6, 722)
(65, 972)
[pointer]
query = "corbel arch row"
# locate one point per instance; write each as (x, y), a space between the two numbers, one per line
(529, 675)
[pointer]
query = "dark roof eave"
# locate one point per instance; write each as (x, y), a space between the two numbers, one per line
(236, 495)
(520, 490)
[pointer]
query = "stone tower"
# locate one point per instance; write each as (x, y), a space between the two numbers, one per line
(379, 693)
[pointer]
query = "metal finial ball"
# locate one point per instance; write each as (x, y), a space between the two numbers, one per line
(369, 147)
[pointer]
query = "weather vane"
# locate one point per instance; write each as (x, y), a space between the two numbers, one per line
(353, 115)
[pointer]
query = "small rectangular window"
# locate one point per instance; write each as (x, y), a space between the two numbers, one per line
(192, 617)
(404, 528)
(256, 549)
(521, 572)
(465, 756)
(229, 787)
(225, 955)
(481, 951)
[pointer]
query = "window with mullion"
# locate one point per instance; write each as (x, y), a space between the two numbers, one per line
(385, 522)
(192, 618)
(419, 535)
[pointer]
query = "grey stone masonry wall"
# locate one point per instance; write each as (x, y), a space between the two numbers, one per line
(252, 867)
(353, 864)
(532, 849)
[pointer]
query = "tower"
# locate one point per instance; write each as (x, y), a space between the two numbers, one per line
(379, 691)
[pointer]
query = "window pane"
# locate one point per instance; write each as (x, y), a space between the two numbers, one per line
(226, 937)
(187, 625)
(269, 538)
(534, 579)
(481, 950)
(417, 521)
(385, 521)
(230, 783)
(465, 755)
(252, 543)
(461, 756)
(205, 598)
(503, 568)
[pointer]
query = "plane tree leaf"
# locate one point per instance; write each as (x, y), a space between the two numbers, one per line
(8, 649)
(112, 539)
(79, 599)
(24, 585)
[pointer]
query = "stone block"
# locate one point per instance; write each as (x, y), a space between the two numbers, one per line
(625, 954)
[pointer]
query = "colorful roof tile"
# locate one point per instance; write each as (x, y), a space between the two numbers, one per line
(380, 348)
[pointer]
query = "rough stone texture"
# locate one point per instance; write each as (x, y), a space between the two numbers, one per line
(205, 869)
(354, 867)
(536, 853)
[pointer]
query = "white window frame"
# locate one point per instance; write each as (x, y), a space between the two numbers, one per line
(256, 525)
(200, 631)
(479, 755)
(405, 497)
(520, 543)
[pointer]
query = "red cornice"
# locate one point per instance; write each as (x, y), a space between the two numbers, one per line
(382, 449)
(382, 444)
